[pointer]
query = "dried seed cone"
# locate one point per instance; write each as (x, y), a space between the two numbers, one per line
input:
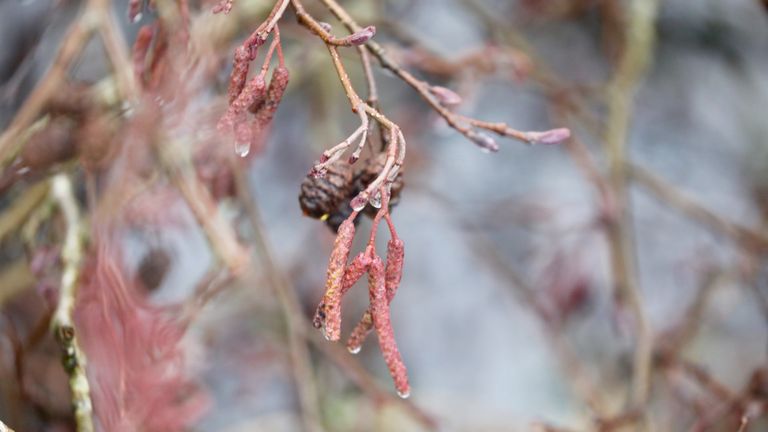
(380, 314)
(330, 307)
(321, 196)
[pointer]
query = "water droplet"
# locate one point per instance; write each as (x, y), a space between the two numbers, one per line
(242, 148)
(354, 349)
(136, 18)
(375, 200)
(324, 331)
(22, 170)
(404, 394)
(358, 203)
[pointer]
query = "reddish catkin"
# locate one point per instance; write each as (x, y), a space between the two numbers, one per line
(336, 267)
(251, 94)
(393, 272)
(380, 314)
(239, 74)
(277, 84)
(355, 270)
(140, 50)
(264, 113)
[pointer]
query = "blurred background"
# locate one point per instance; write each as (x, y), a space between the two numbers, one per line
(540, 283)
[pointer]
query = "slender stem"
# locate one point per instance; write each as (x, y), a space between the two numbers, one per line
(219, 233)
(300, 359)
(62, 323)
(456, 121)
(49, 85)
(745, 236)
(622, 89)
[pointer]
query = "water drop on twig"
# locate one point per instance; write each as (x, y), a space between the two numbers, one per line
(242, 148)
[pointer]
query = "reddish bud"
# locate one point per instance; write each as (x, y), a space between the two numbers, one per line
(360, 37)
(484, 141)
(445, 96)
(553, 136)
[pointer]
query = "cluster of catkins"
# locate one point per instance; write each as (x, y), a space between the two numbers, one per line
(383, 281)
(253, 103)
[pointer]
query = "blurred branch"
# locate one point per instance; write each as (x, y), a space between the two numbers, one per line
(95, 15)
(62, 323)
(19, 211)
(14, 278)
(364, 380)
(744, 236)
(634, 61)
(300, 360)
(572, 366)
(219, 233)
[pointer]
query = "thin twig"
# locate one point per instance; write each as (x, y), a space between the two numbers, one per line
(49, 85)
(63, 324)
(622, 89)
(462, 124)
(300, 359)
(219, 233)
(18, 212)
(742, 235)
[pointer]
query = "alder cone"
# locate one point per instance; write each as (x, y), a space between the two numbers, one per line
(320, 197)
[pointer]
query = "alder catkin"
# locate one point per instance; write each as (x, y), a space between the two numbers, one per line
(331, 303)
(393, 272)
(381, 322)
(354, 271)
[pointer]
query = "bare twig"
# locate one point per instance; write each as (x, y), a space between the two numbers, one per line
(300, 359)
(462, 124)
(15, 215)
(220, 234)
(742, 235)
(62, 323)
(631, 68)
